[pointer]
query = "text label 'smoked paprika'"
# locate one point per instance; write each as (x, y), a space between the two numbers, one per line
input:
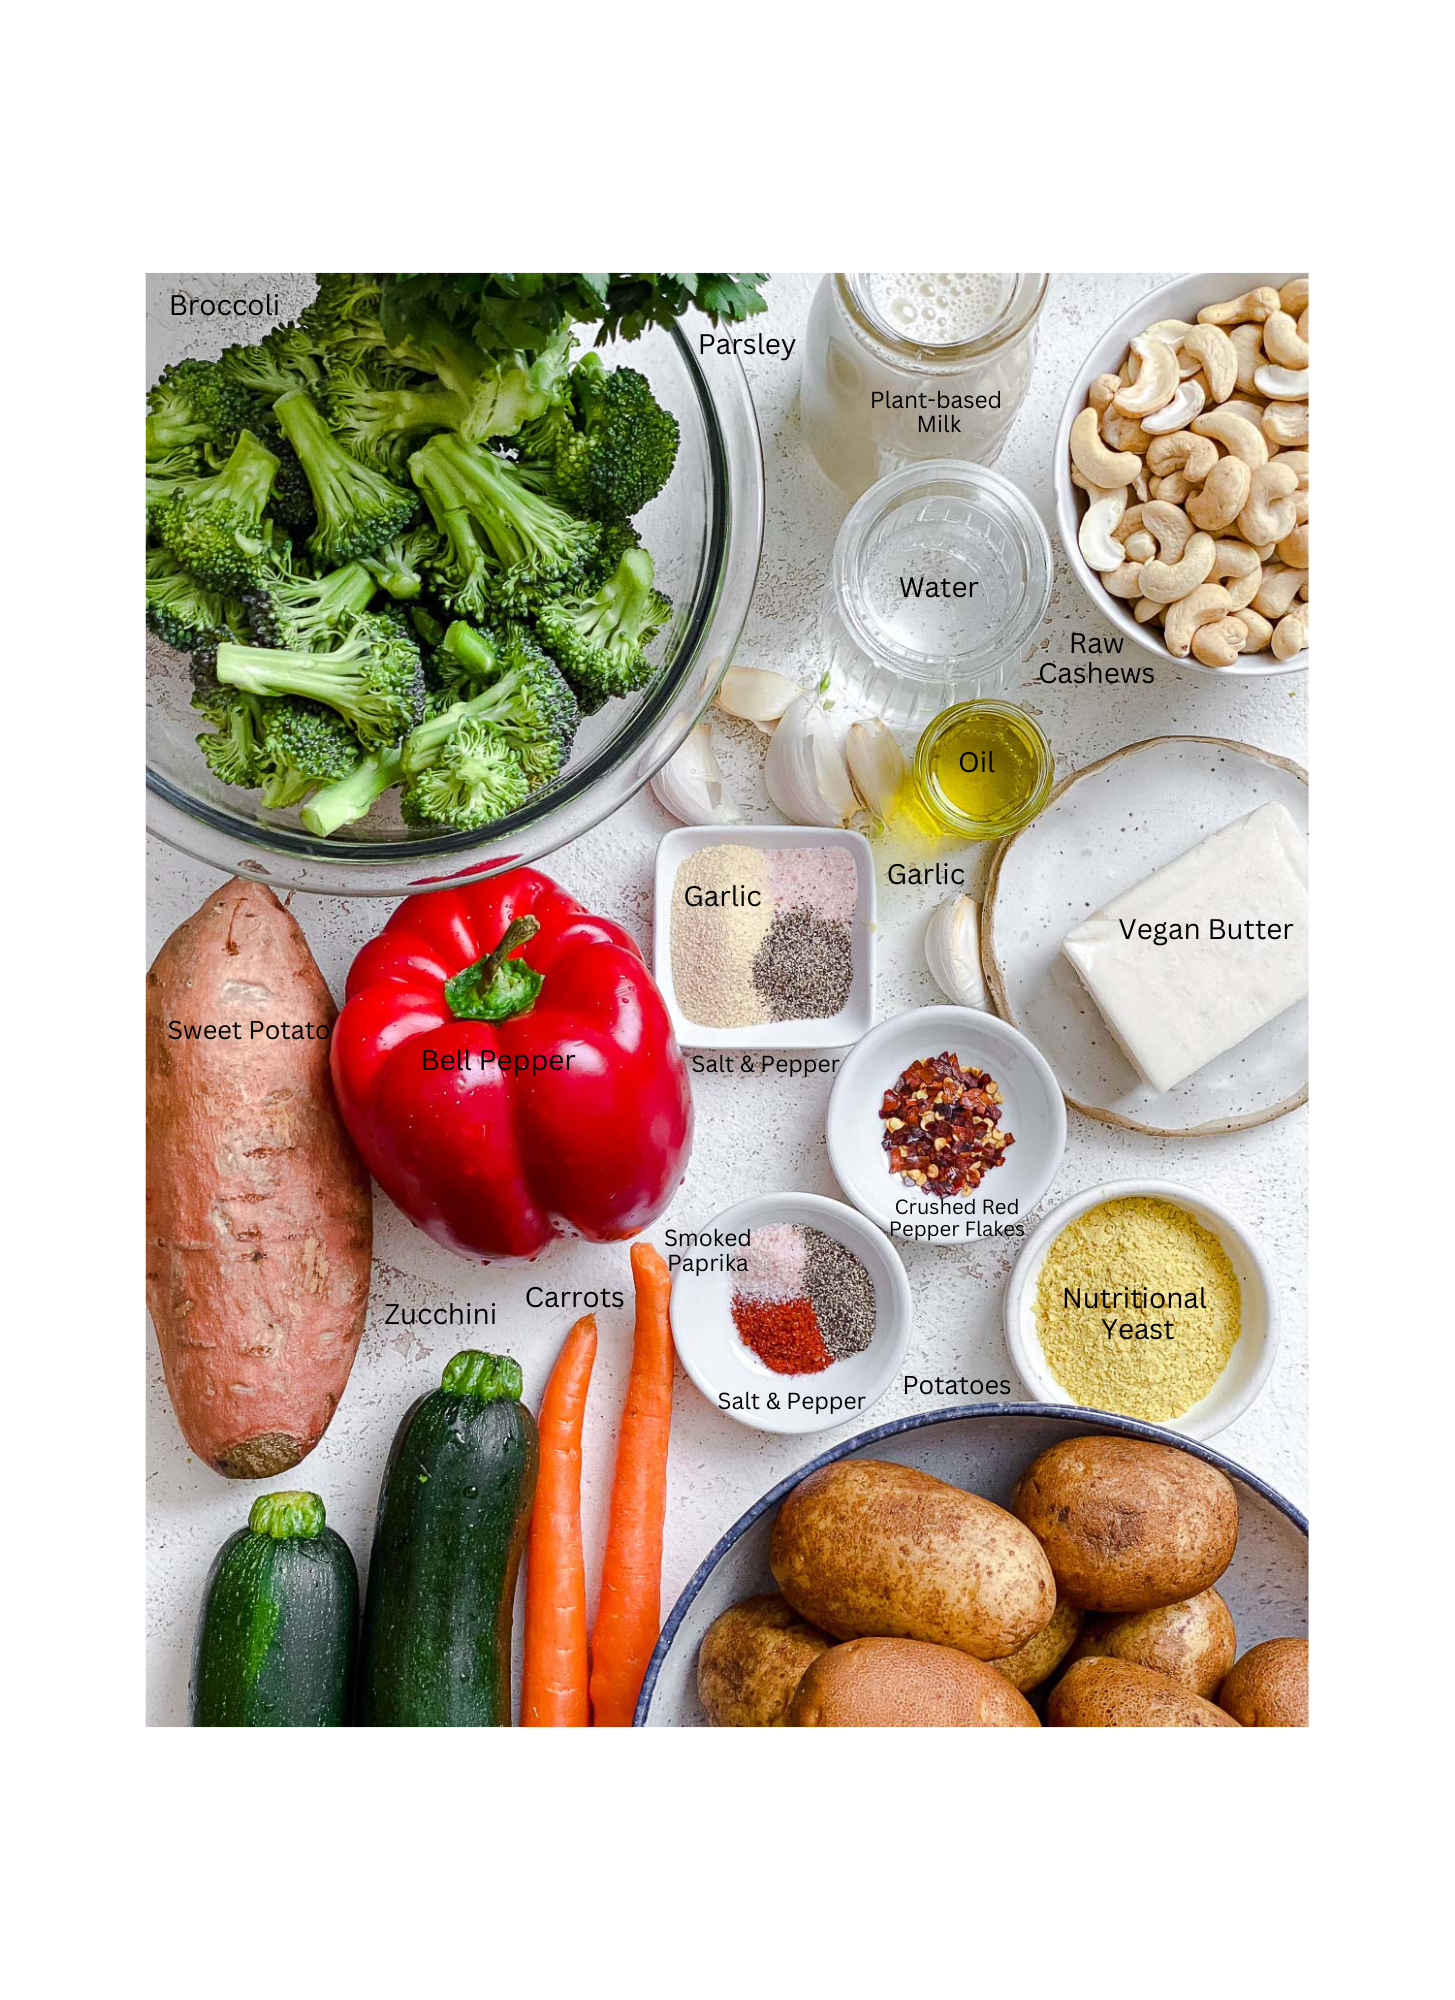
(505, 1065)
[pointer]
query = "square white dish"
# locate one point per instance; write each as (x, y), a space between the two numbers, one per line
(854, 1019)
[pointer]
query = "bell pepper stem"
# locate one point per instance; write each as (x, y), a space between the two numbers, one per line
(497, 987)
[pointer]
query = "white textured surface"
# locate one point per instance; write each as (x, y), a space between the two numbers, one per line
(755, 1134)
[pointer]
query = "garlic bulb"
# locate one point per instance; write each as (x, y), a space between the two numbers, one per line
(756, 694)
(952, 951)
(807, 777)
(876, 768)
(689, 785)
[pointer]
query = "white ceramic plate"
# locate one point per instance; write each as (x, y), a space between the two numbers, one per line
(1033, 1113)
(732, 1377)
(1182, 299)
(1251, 1360)
(837, 1031)
(984, 1449)
(1106, 829)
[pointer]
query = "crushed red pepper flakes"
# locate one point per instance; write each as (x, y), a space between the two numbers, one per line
(783, 1333)
(942, 1126)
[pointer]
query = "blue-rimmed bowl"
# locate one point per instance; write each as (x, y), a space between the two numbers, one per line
(983, 1447)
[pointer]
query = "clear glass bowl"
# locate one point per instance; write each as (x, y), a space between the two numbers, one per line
(705, 530)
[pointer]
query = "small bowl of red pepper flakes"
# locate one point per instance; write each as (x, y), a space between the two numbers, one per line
(946, 1125)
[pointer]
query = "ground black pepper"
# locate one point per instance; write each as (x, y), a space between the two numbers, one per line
(804, 967)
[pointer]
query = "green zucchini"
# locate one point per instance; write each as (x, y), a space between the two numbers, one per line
(275, 1642)
(453, 1511)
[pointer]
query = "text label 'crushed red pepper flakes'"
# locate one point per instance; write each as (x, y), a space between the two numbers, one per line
(942, 1125)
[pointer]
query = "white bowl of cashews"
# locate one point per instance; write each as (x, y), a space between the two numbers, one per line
(1182, 473)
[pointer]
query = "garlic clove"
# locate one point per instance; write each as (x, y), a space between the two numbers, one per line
(756, 694)
(805, 771)
(689, 785)
(952, 951)
(877, 768)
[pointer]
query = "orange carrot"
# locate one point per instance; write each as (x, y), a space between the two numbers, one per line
(629, 1614)
(553, 1691)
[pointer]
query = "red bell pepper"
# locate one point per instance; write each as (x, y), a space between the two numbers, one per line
(505, 1065)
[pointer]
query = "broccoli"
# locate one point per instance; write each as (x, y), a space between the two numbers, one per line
(292, 505)
(305, 745)
(624, 450)
(184, 612)
(351, 797)
(382, 425)
(194, 403)
(166, 476)
(215, 527)
(398, 567)
(470, 777)
(281, 362)
(234, 749)
(342, 324)
(495, 394)
(372, 676)
(358, 509)
(305, 612)
(504, 542)
(511, 685)
(601, 640)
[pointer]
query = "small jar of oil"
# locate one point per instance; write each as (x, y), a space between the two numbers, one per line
(983, 769)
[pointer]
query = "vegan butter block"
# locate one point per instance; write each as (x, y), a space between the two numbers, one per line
(1212, 947)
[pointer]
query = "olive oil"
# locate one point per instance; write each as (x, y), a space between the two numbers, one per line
(983, 769)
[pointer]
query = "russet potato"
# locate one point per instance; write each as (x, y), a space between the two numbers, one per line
(1040, 1656)
(1192, 1641)
(867, 1549)
(1268, 1688)
(1115, 1694)
(906, 1684)
(751, 1660)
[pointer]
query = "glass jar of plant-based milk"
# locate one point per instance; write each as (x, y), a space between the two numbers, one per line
(906, 365)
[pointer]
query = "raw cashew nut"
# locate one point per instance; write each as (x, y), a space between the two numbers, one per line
(1103, 388)
(1219, 644)
(1126, 581)
(1294, 296)
(1259, 630)
(1167, 582)
(1256, 305)
(1140, 546)
(1156, 381)
(1279, 588)
(1238, 563)
(1171, 527)
(1299, 462)
(1223, 497)
(1123, 433)
(1180, 412)
(1234, 433)
(1093, 538)
(1247, 342)
(1249, 408)
(1129, 523)
(1146, 609)
(1174, 487)
(1290, 634)
(1302, 325)
(1139, 487)
(1200, 607)
(1193, 457)
(1210, 346)
(1282, 385)
(1173, 331)
(1269, 513)
(1281, 342)
(1285, 424)
(1293, 549)
(1094, 461)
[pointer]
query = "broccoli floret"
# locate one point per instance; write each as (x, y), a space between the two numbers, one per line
(352, 796)
(194, 402)
(400, 565)
(372, 676)
(215, 527)
(234, 748)
(504, 542)
(305, 745)
(513, 686)
(469, 777)
(342, 324)
(620, 453)
(292, 504)
(166, 476)
(185, 613)
(282, 361)
(463, 659)
(305, 612)
(359, 510)
(601, 640)
(382, 425)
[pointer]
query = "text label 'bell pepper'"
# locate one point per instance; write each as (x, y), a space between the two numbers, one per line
(505, 1064)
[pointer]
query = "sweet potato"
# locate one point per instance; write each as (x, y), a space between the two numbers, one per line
(259, 1213)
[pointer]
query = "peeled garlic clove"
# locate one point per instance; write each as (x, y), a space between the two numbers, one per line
(689, 785)
(805, 771)
(952, 951)
(756, 694)
(876, 767)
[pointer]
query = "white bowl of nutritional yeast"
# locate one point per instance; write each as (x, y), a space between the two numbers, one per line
(812, 851)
